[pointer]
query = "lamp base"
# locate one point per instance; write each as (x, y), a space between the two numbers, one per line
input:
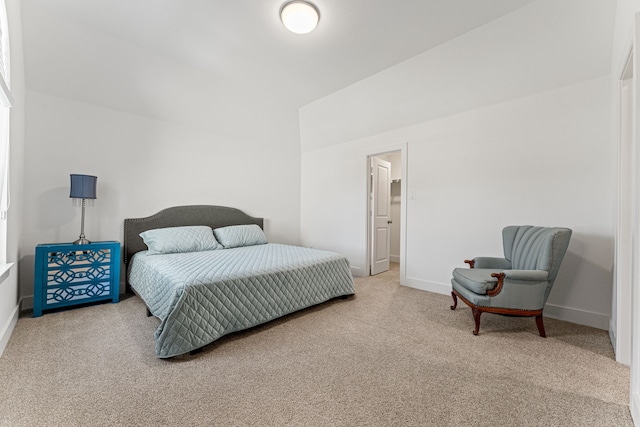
(81, 241)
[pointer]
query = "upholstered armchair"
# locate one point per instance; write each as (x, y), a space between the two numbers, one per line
(519, 283)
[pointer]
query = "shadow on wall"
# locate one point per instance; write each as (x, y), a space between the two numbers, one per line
(55, 209)
(578, 268)
(26, 271)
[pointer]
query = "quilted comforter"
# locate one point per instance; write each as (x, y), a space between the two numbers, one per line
(201, 296)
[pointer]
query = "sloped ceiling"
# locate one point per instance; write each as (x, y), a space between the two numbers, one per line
(544, 46)
(122, 53)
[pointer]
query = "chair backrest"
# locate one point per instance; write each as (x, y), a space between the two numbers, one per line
(535, 248)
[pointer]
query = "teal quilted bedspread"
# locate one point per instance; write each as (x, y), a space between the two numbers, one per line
(201, 296)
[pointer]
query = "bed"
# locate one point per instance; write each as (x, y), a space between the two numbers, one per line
(203, 293)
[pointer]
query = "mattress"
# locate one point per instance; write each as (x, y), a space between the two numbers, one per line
(201, 296)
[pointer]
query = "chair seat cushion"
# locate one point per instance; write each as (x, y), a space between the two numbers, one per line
(477, 280)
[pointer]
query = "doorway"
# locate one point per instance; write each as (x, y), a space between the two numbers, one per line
(384, 212)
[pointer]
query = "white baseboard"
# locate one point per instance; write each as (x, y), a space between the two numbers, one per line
(394, 258)
(424, 285)
(357, 271)
(5, 334)
(574, 315)
(635, 408)
(612, 333)
(26, 303)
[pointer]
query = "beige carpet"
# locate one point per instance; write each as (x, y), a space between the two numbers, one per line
(389, 356)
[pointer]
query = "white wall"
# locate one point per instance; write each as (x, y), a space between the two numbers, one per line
(9, 298)
(144, 165)
(538, 160)
(156, 132)
(511, 125)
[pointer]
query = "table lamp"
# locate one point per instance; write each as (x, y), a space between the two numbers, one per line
(83, 193)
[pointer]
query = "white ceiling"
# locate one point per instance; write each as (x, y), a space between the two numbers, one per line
(239, 45)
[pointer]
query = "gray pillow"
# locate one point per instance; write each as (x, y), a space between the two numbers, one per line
(173, 240)
(235, 236)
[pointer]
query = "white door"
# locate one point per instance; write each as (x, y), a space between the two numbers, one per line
(380, 215)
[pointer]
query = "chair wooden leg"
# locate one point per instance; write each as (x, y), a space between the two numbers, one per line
(476, 318)
(455, 300)
(540, 326)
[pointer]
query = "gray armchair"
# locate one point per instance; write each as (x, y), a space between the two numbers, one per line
(519, 283)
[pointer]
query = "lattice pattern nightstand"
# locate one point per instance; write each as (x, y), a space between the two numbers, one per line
(68, 274)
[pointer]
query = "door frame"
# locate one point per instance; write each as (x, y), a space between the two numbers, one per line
(626, 215)
(404, 156)
(633, 45)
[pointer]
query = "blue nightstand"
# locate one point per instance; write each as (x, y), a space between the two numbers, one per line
(68, 274)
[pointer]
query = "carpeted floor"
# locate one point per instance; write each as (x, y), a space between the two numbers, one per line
(390, 356)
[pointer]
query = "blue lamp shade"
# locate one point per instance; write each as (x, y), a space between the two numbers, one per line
(83, 186)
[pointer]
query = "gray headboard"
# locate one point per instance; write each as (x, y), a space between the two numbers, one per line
(213, 216)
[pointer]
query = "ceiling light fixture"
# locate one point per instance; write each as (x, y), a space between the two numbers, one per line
(300, 17)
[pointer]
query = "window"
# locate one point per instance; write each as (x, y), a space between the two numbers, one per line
(6, 101)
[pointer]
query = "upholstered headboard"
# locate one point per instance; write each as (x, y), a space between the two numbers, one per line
(213, 216)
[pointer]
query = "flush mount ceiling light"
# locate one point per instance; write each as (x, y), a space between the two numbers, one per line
(300, 17)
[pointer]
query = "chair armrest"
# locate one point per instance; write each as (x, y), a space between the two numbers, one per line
(533, 276)
(527, 275)
(490, 262)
